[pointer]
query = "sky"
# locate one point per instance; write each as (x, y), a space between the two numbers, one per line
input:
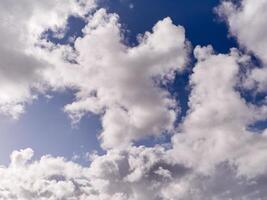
(61, 139)
(132, 99)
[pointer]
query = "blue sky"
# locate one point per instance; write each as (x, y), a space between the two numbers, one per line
(198, 17)
(37, 128)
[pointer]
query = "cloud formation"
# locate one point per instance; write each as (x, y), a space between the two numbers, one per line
(21, 28)
(212, 155)
(122, 83)
(247, 23)
(118, 82)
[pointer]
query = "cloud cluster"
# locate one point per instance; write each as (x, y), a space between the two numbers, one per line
(247, 23)
(122, 83)
(21, 27)
(212, 154)
(118, 82)
(215, 129)
(138, 173)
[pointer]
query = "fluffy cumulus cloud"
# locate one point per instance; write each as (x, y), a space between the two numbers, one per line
(217, 121)
(118, 82)
(213, 154)
(21, 28)
(135, 173)
(122, 82)
(247, 23)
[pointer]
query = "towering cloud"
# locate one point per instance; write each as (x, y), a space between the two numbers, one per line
(216, 127)
(122, 82)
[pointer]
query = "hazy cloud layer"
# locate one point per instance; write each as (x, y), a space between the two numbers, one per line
(212, 155)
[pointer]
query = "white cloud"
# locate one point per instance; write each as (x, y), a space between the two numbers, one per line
(120, 82)
(22, 23)
(215, 129)
(213, 154)
(247, 23)
(116, 81)
(138, 173)
(106, 178)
